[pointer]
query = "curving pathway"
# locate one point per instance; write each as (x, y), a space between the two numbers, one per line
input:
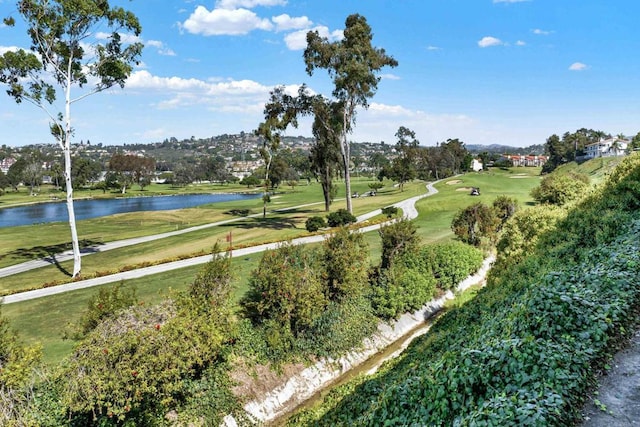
(408, 207)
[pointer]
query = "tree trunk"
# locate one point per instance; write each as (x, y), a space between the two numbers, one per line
(345, 150)
(326, 187)
(77, 262)
(66, 149)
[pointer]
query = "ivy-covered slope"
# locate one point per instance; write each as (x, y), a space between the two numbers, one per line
(527, 349)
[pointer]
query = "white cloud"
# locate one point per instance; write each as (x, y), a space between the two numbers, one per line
(380, 122)
(540, 32)
(520, 43)
(5, 49)
(389, 77)
(234, 4)
(433, 48)
(144, 80)
(124, 38)
(224, 22)
(298, 39)
(578, 66)
(490, 41)
(215, 95)
(285, 22)
(162, 49)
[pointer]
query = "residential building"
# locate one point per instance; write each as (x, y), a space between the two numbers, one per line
(606, 148)
(6, 163)
(522, 160)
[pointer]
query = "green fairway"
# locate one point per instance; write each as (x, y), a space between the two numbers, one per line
(43, 320)
(436, 213)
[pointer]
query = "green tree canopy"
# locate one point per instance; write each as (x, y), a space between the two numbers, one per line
(353, 64)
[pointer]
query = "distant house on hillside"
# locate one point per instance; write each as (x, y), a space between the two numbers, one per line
(522, 160)
(6, 163)
(476, 165)
(243, 169)
(606, 148)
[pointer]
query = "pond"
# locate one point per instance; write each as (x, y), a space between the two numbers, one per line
(57, 211)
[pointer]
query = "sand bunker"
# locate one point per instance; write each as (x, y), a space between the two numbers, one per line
(454, 182)
(464, 189)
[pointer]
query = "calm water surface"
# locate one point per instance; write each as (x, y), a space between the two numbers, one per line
(84, 209)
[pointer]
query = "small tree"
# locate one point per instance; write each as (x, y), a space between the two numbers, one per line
(345, 259)
(4, 182)
(475, 223)
(398, 239)
(61, 61)
(250, 181)
(505, 207)
(403, 167)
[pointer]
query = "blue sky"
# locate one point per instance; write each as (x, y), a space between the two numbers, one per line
(510, 72)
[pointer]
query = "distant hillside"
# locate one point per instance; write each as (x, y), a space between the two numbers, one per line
(505, 149)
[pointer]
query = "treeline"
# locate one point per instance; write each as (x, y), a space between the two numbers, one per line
(560, 299)
(173, 362)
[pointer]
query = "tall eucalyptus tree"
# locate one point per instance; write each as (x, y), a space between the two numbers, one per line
(68, 59)
(353, 64)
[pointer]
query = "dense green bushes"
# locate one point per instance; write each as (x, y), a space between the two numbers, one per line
(529, 347)
(410, 275)
(340, 217)
(479, 224)
(561, 188)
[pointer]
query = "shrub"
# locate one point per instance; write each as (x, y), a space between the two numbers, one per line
(108, 302)
(560, 189)
(345, 264)
(390, 211)
(475, 224)
(286, 288)
(451, 262)
(399, 290)
(340, 328)
(315, 223)
(398, 239)
(340, 217)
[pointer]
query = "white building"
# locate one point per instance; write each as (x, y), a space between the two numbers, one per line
(607, 148)
(476, 165)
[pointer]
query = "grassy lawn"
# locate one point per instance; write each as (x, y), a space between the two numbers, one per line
(42, 320)
(436, 213)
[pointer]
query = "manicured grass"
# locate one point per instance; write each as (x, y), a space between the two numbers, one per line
(42, 320)
(436, 213)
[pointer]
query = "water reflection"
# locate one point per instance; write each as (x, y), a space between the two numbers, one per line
(84, 209)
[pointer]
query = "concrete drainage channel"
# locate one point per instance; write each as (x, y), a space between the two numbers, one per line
(282, 401)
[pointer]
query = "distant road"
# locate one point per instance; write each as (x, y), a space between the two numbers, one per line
(408, 207)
